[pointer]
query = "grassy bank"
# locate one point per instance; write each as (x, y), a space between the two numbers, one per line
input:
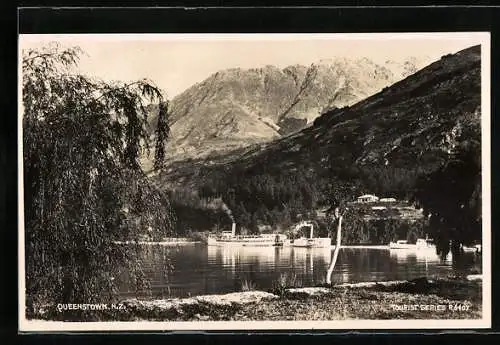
(417, 299)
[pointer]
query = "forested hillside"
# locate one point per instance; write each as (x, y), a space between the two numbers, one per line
(383, 145)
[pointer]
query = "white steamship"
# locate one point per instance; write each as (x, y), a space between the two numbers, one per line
(230, 238)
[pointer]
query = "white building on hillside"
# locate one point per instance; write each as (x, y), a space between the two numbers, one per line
(367, 198)
(387, 200)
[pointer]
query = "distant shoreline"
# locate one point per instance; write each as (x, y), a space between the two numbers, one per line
(364, 246)
(159, 243)
(174, 242)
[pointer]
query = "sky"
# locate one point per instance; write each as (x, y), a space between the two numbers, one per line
(175, 62)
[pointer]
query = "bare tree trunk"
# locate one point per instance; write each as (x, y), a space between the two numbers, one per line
(335, 253)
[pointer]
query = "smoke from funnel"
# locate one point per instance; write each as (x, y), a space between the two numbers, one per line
(226, 209)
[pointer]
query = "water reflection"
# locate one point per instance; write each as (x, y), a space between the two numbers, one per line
(198, 269)
(232, 257)
(424, 255)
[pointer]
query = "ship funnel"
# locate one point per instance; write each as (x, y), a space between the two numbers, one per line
(233, 229)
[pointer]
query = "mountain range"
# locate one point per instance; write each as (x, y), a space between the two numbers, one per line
(237, 107)
(416, 123)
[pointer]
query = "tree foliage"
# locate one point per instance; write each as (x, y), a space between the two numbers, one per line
(162, 133)
(451, 198)
(83, 185)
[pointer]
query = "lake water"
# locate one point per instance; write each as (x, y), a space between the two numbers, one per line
(199, 269)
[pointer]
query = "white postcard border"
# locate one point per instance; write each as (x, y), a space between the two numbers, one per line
(483, 38)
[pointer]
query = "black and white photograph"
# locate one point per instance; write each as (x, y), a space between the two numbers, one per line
(254, 181)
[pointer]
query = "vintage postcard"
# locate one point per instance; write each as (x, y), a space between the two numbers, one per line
(254, 181)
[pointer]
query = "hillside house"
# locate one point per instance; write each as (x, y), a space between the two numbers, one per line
(367, 198)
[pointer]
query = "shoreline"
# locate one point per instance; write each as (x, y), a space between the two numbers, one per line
(421, 298)
(367, 246)
(158, 243)
(349, 246)
(249, 246)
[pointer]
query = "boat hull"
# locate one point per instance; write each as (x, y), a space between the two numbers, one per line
(474, 249)
(410, 246)
(312, 242)
(421, 244)
(242, 242)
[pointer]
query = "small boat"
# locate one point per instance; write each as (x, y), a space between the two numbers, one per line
(311, 241)
(403, 244)
(473, 249)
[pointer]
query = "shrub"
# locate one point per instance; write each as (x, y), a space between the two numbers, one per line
(284, 282)
(248, 285)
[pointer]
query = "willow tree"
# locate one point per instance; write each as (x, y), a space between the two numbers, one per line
(83, 185)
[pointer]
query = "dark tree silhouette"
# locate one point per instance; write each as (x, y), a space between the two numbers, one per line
(451, 198)
(162, 133)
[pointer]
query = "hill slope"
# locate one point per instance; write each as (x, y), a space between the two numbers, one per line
(407, 128)
(418, 120)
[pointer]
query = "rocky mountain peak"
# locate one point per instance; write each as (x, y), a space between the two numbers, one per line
(238, 107)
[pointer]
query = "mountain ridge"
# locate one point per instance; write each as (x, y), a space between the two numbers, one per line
(239, 107)
(413, 124)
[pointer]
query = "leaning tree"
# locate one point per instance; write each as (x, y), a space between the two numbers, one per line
(83, 184)
(338, 215)
(339, 193)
